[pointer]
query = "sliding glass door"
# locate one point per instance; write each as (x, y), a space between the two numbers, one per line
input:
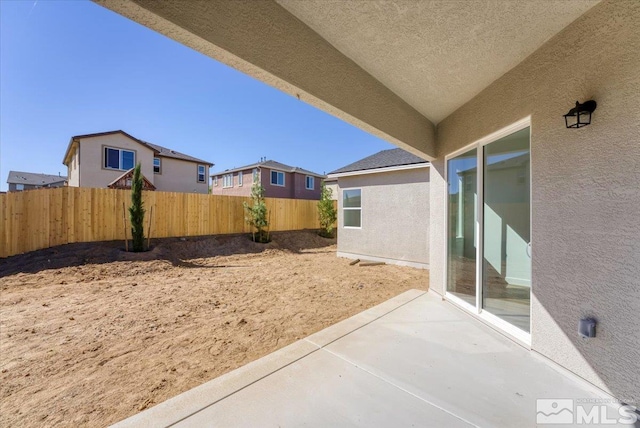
(489, 220)
(463, 226)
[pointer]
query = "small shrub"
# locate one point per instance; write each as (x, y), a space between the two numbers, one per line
(326, 212)
(256, 215)
(136, 211)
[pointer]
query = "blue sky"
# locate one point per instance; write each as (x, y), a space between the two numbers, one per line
(72, 67)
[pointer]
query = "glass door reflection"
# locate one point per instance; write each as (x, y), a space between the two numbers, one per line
(462, 233)
(506, 274)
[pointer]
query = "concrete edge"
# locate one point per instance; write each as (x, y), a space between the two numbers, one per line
(196, 399)
(349, 325)
(407, 263)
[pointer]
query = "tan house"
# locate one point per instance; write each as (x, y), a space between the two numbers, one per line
(279, 181)
(100, 160)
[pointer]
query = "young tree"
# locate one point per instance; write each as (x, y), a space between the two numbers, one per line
(136, 210)
(326, 212)
(256, 214)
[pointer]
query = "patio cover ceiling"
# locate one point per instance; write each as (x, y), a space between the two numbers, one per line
(437, 55)
(392, 68)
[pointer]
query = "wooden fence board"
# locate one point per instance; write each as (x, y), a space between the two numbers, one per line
(44, 218)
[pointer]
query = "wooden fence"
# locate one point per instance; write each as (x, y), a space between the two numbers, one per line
(44, 218)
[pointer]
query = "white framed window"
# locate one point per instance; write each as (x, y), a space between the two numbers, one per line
(352, 208)
(309, 182)
(215, 181)
(277, 178)
(202, 175)
(255, 175)
(19, 186)
(227, 180)
(240, 178)
(119, 159)
(157, 165)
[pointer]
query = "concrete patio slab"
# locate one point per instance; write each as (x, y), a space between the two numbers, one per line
(412, 361)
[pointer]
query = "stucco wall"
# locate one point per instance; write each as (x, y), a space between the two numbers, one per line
(585, 190)
(73, 170)
(395, 216)
(92, 171)
(180, 176)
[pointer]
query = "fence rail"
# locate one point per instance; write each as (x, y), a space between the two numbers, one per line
(44, 218)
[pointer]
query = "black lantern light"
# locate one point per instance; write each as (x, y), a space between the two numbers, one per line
(580, 115)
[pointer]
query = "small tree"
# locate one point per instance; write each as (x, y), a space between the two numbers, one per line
(326, 212)
(256, 214)
(136, 210)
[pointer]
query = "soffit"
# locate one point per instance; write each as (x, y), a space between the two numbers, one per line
(437, 55)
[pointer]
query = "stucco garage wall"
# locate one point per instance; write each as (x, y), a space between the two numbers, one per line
(180, 176)
(395, 216)
(585, 190)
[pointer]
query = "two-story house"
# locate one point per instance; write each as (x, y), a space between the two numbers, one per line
(18, 181)
(99, 160)
(279, 181)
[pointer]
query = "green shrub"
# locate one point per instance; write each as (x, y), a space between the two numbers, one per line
(256, 214)
(136, 210)
(326, 212)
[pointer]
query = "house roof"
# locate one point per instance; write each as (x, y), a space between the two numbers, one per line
(159, 150)
(34, 178)
(129, 174)
(272, 165)
(383, 159)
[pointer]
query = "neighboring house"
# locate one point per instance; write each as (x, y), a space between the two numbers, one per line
(279, 181)
(383, 201)
(18, 180)
(100, 160)
(332, 184)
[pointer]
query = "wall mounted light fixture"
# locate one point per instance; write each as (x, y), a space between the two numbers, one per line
(580, 115)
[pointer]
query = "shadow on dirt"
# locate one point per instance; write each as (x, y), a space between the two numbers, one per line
(178, 251)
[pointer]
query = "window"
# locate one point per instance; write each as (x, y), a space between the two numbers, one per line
(215, 181)
(19, 186)
(309, 182)
(352, 208)
(277, 178)
(119, 159)
(157, 163)
(227, 180)
(255, 175)
(240, 178)
(202, 176)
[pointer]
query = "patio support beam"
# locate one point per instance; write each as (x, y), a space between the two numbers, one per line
(265, 41)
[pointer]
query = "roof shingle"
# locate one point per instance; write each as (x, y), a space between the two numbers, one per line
(383, 159)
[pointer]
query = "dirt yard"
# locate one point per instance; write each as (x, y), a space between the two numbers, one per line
(90, 334)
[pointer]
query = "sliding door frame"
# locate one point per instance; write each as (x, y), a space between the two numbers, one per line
(494, 321)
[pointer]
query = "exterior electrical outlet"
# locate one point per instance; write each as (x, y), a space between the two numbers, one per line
(587, 327)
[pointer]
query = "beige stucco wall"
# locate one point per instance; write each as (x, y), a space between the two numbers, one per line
(180, 176)
(73, 170)
(333, 186)
(395, 213)
(585, 190)
(92, 172)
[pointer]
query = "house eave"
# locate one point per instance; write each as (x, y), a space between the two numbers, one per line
(379, 170)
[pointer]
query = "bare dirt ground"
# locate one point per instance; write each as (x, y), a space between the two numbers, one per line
(90, 335)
